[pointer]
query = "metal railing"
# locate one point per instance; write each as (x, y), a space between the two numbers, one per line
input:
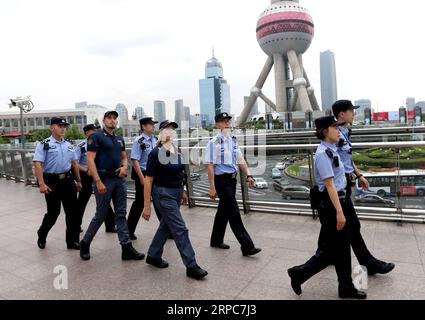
(16, 164)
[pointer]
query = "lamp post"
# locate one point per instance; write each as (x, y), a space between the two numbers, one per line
(24, 105)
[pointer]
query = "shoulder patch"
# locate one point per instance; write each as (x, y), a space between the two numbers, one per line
(89, 141)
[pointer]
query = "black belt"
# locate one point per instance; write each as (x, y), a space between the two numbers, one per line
(58, 176)
(108, 173)
(227, 175)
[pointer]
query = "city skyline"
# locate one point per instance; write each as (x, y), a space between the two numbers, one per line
(125, 62)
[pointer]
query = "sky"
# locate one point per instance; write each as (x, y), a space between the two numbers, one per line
(136, 51)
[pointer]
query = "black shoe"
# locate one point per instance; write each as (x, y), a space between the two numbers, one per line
(73, 245)
(129, 253)
(196, 272)
(251, 252)
(84, 250)
(111, 229)
(295, 284)
(133, 236)
(41, 242)
(351, 294)
(159, 263)
(221, 246)
(380, 267)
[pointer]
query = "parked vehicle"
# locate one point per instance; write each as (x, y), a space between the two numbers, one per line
(372, 200)
(280, 165)
(296, 192)
(276, 173)
(279, 185)
(260, 183)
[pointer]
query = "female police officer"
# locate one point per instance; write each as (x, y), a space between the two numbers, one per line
(333, 244)
(165, 171)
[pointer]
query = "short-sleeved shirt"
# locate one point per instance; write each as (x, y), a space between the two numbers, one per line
(345, 151)
(142, 147)
(166, 168)
(108, 148)
(327, 164)
(57, 158)
(224, 153)
(81, 154)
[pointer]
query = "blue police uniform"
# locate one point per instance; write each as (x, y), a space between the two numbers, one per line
(167, 169)
(56, 157)
(345, 150)
(224, 153)
(108, 148)
(333, 245)
(87, 189)
(142, 147)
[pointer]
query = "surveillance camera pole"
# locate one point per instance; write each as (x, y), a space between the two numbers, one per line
(24, 105)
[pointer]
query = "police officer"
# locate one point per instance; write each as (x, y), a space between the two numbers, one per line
(344, 112)
(142, 147)
(87, 181)
(165, 172)
(107, 162)
(53, 160)
(223, 157)
(334, 244)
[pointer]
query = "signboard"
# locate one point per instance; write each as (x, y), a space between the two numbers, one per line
(380, 116)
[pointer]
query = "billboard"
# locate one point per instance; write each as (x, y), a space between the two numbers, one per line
(380, 116)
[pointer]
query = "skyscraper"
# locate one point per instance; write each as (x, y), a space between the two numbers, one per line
(122, 113)
(186, 118)
(159, 111)
(179, 112)
(363, 104)
(328, 79)
(214, 92)
(410, 104)
(139, 112)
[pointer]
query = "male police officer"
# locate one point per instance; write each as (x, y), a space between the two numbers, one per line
(223, 157)
(107, 161)
(142, 147)
(87, 181)
(344, 112)
(53, 160)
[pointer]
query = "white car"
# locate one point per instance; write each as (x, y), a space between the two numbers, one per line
(260, 183)
(280, 165)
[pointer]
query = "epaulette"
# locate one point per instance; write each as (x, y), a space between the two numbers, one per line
(81, 144)
(329, 153)
(45, 144)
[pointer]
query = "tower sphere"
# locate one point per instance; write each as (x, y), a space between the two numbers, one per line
(284, 26)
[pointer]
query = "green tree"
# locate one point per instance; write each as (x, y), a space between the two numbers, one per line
(96, 122)
(39, 135)
(74, 133)
(119, 132)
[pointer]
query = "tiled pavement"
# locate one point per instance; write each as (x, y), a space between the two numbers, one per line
(27, 272)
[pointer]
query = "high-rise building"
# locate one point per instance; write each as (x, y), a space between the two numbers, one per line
(214, 92)
(186, 118)
(254, 110)
(360, 112)
(179, 112)
(328, 79)
(421, 104)
(410, 104)
(139, 113)
(159, 111)
(122, 114)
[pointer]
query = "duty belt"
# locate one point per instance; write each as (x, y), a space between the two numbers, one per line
(228, 175)
(59, 176)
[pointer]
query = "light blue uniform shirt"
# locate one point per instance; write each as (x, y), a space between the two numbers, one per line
(326, 168)
(140, 152)
(57, 159)
(224, 153)
(81, 154)
(346, 150)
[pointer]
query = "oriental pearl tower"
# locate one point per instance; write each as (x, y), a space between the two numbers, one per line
(284, 32)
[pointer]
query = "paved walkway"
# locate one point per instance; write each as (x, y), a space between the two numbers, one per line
(27, 272)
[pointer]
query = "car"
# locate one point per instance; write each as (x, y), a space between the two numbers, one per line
(276, 173)
(280, 165)
(195, 176)
(279, 185)
(260, 183)
(372, 200)
(296, 192)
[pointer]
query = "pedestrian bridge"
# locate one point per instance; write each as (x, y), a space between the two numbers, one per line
(26, 272)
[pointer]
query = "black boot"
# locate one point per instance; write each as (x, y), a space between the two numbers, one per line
(159, 263)
(351, 293)
(84, 250)
(129, 253)
(380, 267)
(196, 272)
(41, 242)
(295, 280)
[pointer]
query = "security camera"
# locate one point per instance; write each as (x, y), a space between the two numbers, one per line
(23, 103)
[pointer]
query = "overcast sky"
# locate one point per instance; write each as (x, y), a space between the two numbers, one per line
(136, 51)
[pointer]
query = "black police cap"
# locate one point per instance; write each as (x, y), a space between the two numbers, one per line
(147, 120)
(90, 127)
(342, 106)
(167, 123)
(108, 113)
(58, 121)
(325, 122)
(221, 116)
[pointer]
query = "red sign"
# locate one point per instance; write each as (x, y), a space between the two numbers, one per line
(411, 115)
(380, 116)
(408, 191)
